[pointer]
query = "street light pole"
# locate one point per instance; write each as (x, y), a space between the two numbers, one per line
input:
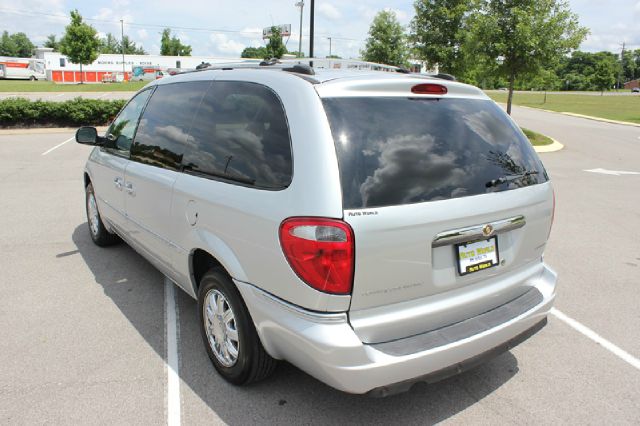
(122, 45)
(311, 28)
(300, 4)
(329, 46)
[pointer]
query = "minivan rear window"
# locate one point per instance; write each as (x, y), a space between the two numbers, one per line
(394, 151)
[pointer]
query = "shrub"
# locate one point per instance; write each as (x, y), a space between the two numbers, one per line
(77, 112)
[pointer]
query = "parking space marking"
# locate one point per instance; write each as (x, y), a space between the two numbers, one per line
(173, 363)
(103, 95)
(59, 145)
(586, 331)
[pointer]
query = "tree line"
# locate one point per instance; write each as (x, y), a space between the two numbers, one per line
(514, 44)
(19, 45)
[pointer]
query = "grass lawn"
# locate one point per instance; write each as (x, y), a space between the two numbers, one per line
(49, 86)
(622, 108)
(537, 139)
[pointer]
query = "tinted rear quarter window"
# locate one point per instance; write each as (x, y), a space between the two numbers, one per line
(394, 151)
(164, 126)
(240, 134)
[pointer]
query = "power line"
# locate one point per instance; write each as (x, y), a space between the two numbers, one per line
(141, 25)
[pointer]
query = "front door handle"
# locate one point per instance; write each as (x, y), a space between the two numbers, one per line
(129, 188)
(118, 183)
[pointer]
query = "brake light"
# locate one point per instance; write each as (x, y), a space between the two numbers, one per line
(320, 251)
(429, 89)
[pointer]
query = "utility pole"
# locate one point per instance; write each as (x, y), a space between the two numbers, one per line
(122, 46)
(300, 4)
(329, 46)
(311, 28)
(621, 72)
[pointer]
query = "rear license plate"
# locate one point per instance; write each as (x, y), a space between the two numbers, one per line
(477, 256)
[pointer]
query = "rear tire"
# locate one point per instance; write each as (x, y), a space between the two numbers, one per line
(33, 78)
(99, 234)
(228, 333)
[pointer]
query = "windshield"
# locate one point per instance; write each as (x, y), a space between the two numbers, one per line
(394, 151)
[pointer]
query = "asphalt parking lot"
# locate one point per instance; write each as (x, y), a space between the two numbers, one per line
(93, 335)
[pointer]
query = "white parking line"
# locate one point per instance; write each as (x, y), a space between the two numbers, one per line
(102, 96)
(586, 331)
(173, 364)
(59, 145)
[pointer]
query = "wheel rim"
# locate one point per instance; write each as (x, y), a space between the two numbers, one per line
(92, 213)
(220, 326)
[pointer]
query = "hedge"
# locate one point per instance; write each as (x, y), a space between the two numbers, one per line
(21, 112)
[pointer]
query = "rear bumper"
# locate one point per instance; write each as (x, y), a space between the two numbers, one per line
(326, 347)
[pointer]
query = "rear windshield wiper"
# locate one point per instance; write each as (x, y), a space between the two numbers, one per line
(509, 178)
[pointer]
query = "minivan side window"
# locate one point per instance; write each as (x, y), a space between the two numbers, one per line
(123, 128)
(164, 126)
(240, 134)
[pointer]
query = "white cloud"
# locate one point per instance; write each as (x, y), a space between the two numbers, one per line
(223, 44)
(402, 16)
(329, 11)
(104, 14)
(142, 34)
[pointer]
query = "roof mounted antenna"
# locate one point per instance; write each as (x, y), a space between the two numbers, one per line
(268, 62)
(300, 69)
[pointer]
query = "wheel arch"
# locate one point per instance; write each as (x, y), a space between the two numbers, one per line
(211, 253)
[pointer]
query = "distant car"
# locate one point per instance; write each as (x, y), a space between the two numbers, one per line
(635, 90)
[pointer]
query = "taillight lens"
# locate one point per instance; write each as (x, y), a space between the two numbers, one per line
(429, 89)
(321, 251)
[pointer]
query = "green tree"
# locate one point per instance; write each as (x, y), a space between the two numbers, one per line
(275, 47)
(52, 42)
(131, 48)
(7, 46)
(439, 31)
(109, 44)
(523, 36)
(80, 42)
(172, 46)
(333, 57)
(387, 42)
(17, 45)
(604, 76)
(254, 52)
(629, 66)
(24, 47)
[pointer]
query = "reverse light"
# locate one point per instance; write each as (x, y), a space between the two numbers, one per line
(320, 251)
(429, 89)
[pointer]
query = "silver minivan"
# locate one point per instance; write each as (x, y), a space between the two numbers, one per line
(374, 229)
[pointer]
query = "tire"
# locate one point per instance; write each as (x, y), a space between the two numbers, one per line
(33, 78)
(251, 362)
(99, 234)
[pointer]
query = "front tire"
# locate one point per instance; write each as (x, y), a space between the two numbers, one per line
(227, 330)
(97, 230)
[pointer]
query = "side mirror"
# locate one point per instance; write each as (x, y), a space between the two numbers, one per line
(88, 136)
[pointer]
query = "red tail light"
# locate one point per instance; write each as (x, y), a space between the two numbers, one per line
(321, 251)
(429, 89)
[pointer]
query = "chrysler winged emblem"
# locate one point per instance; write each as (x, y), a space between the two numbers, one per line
(487, 230)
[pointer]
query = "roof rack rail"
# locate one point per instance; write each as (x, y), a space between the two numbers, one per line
(444, 76)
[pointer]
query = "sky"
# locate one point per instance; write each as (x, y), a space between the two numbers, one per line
(224, 28)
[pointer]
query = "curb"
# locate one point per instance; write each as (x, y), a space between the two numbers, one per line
(44, 130)
(587, 117)
(554, 147)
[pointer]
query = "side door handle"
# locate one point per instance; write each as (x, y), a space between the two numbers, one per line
(129, 188)
(118, 183)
